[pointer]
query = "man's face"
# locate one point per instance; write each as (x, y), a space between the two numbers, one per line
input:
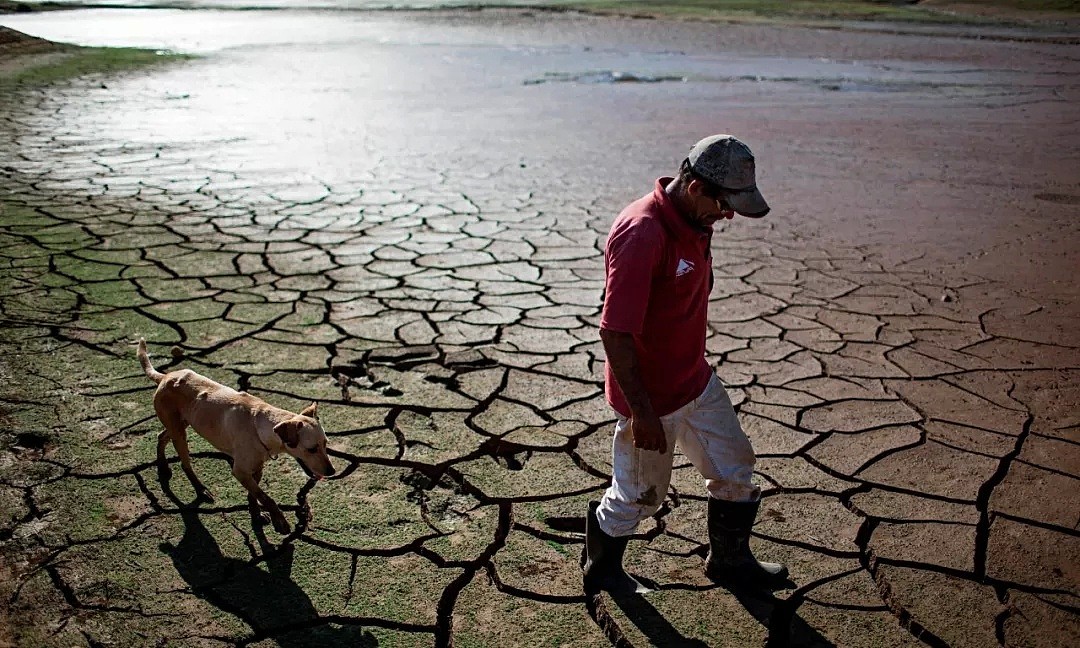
(706, 209)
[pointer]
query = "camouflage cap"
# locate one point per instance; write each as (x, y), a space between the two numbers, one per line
(728, 163)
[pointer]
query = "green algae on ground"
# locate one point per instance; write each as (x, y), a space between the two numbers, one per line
(80, 410)
(83, 394)
(15, 6)
(826, 10)
(69, 61)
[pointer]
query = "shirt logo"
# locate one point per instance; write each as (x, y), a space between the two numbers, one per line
(684, 267)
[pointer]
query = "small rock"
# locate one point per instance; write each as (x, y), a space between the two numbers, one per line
(176, 352)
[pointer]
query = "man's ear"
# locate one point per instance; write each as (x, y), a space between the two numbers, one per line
(311, 410)
(696, 188)
(289, 432)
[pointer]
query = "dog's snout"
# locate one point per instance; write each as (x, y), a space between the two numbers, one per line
(330, 470)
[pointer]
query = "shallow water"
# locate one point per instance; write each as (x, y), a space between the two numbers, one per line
(501, 103)
(301, 4)
(332, 95)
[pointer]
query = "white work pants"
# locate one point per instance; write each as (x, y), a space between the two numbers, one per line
(707, 432)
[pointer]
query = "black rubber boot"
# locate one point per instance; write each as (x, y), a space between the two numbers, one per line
(603, 560)
(730, 559)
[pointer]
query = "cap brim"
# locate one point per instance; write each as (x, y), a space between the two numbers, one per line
(750, 204)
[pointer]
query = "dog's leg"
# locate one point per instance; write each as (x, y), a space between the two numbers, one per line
(281, 525)
(172, 421)
(179, 439)
(164, 471)
(258, 516)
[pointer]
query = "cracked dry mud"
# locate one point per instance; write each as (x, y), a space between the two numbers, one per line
(915, 422)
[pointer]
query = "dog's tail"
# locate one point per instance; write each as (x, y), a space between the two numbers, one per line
(148, 368)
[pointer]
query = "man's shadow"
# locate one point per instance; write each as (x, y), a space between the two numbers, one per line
(651, 623)
(268, 601)
(780, 618)
(785, 627)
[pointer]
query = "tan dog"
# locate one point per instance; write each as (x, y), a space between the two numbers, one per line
(246, 428)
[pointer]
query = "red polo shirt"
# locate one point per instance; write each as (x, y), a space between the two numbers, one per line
(659, 271)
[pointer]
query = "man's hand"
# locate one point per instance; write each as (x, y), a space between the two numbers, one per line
(645, 426)
(648, 433)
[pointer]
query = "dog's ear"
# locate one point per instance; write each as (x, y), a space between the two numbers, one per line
(311, 410)
(289, 432)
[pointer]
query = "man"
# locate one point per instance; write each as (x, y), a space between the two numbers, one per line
(653, 326)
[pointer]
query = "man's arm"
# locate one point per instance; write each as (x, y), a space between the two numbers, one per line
(622, 357)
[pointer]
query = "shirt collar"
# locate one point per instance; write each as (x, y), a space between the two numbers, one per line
(673, 219)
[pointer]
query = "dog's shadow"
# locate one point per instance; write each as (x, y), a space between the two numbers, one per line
(267, 600)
